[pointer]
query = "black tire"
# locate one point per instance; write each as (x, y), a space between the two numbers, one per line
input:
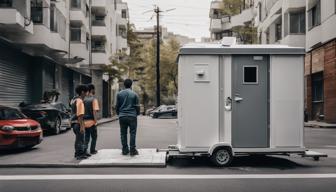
(57, 127)
(222, 157)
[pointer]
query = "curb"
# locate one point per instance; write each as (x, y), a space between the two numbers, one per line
(81, 166)
(319, 126)
(108, 121)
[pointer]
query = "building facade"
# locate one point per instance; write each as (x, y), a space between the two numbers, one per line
(301, 23)
(56, 45)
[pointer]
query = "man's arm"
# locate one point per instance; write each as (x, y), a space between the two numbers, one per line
(95, 108)
(118, 104)
(80, 114)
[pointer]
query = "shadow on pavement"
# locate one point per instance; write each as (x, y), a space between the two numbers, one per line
(257, 161)
(17, 151)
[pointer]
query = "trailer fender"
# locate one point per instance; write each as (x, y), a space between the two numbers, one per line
(220, 145)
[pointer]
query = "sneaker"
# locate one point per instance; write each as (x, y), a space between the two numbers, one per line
(94, 152)
(125, 152)
(134, 152)
(87, 154)
(81, 157)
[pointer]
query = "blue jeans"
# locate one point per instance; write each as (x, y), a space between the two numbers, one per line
(125, 123)
(91, 133)
(79, 140)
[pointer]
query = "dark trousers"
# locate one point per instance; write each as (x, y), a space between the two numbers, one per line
(91, 133)
(79, 140)
(125, 123)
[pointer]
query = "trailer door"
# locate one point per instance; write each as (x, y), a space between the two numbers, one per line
(250, 101)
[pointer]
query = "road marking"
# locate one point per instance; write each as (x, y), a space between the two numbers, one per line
(162, 177)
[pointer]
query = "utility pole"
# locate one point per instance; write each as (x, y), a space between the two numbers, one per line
(90, 36)
(158, 93)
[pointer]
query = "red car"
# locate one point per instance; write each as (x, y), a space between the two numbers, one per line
(17, 131)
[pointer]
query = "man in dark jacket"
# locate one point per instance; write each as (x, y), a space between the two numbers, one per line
(128, 109)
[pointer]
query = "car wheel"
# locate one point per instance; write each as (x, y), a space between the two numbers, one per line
(221, 157)
(58, 124)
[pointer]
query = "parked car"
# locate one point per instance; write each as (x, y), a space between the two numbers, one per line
(53, 117)
(17, 131)
(164, 111)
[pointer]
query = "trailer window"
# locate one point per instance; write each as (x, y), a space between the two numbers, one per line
(250, 74)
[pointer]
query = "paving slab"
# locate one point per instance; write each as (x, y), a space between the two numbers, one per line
(113, 157)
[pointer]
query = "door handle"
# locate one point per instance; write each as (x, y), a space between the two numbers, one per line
(238, 99)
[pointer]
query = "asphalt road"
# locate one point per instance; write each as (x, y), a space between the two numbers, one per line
(246, 173)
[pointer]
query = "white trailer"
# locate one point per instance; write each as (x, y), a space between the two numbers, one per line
(240, 99)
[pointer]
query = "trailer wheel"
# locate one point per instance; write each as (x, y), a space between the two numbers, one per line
(316, 158)
(221, 157)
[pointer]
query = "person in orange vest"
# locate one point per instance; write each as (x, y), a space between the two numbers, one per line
(90, 119)
(77, 121)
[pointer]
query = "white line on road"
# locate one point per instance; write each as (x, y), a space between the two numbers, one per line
(162, 177)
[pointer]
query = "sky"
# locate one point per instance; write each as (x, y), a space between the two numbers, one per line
(190, 17)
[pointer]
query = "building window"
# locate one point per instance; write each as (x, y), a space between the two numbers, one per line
(278, 28)
(75, 34)
(53, 18)
(314, 15)
(250, 75)
(297, 23)
(37, 11)
(98, 46)
(124, 13)
(260, 11)
(76, 4)
(122, 31)
(218, 36)
(98, 20)
(317, 87)
(6, 3)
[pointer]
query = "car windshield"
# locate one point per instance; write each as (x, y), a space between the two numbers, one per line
(10, 114)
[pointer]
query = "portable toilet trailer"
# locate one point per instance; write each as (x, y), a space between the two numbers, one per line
(240, 99)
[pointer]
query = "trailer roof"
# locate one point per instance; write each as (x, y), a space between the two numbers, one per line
(219, 49)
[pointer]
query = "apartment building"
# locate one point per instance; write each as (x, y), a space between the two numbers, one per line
(49, 44)
(320, 61)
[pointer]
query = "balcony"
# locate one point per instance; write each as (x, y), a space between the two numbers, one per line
(100, 58)
(12, 20)
(99, 31)
(79, 15)
(216, 4)
(216, 25)
(45, 38)
(244, 17)
(80, 50)
(99, 3)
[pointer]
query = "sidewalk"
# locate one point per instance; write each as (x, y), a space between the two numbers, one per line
(319, 124)
(107, 120)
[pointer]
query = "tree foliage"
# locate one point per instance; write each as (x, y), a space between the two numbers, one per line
(140, 65)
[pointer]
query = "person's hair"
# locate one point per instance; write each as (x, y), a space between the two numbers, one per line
(80, 88)
(90, 87)
(128, 83)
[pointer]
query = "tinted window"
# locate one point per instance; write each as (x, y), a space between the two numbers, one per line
(250, 75)
(10, 114)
